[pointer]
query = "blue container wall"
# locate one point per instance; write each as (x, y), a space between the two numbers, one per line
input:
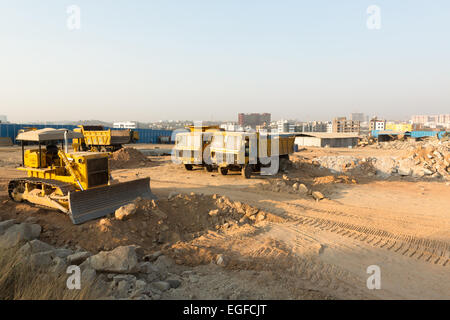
(145, 135)
(416, 134)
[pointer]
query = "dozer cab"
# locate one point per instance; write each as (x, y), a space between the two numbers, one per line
(192, 148)
(251, 152)
(77, 183)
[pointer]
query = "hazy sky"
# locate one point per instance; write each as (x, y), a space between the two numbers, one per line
(147, 60)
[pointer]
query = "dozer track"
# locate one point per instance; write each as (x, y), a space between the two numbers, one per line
(96, 202)
(64, 187)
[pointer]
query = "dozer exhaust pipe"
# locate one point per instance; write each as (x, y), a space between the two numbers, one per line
(98, 202)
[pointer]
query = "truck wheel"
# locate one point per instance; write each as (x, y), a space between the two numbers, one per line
(208, 168)
(223, 171)
(284, 164)
(247, 171)
(188, 167)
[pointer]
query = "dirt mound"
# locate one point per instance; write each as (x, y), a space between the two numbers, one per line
(155, 225)
(127, 158)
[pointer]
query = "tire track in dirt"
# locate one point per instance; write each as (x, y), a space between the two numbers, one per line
(428, 250)
(270, 254)
(433, 251)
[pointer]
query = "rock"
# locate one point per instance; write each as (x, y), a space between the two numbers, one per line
(213, 213)
(18, 233)
(41, 260)
(35, 246)
(104, 224)
(4, 225)
(428, 172)
(140, 285)
(127, 277)
(59, 265)
(161, 285)
(174, 283)
(160, 214)
(302, 189)
(62, 252)
(153, 256)
(404, 171)
(221, 260)
(285, 177)
(317, 195)
(405, 167)
(147, 267)
(120, 260)
(295, 186)
(123, 288)
(172, 195)
(125, 212)
(88, 275)
(260, 216)
(78, 258)
(164, 263)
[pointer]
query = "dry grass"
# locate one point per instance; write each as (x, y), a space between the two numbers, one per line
(18, 281)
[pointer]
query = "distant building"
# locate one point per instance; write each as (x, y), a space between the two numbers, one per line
(329, 127)
(3, 119)
(254, 119)
(431, 121)
(125, 125)
(325, 139)
(315, 126)
(377, 124)
(342, 125)
(285, 126)
(358, 117)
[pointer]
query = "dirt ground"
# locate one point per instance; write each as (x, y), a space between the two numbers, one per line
(275, 244)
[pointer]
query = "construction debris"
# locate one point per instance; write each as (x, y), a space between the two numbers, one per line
(430, 159)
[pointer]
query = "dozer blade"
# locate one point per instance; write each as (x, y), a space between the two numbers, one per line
(98, 202)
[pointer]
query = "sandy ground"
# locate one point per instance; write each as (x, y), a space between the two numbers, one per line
(308, 250)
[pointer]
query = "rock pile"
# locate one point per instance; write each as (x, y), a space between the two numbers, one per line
(429, 160)
(290, 185)
(122, 273)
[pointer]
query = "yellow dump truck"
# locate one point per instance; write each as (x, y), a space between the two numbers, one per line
(251, 152)
(97, 139)
(192, 148)
(75, 183)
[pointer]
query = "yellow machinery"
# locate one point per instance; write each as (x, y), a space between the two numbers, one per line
(251, 152)
(97, 139)
(76, 183)
(192, 148)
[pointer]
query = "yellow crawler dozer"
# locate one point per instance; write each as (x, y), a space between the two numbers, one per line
(77, 183)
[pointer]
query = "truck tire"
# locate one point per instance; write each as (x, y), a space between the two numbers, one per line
(247, 171)
(223, 171)
(188, 167)
(208, 168)
(284, 164)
